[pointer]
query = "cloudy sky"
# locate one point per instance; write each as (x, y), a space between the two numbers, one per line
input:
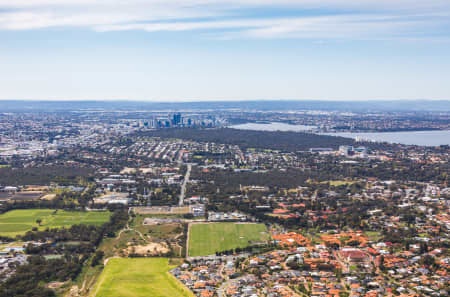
(173, 50)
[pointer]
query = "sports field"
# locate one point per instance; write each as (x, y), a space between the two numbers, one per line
(139, 277)
(207, 239)
(16, 222)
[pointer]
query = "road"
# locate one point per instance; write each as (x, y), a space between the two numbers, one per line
(183, 186)
(225, 284)
(221, 289)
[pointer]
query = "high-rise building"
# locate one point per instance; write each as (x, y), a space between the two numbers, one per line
(176, 120)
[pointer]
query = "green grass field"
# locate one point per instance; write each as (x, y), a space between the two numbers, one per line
(337, 183)
(17, 222)
(206, 239)
(139, 277)
(373, 235)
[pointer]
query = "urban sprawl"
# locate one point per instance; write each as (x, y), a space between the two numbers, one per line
(218, 211)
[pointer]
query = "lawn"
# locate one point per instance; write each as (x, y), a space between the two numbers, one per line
(16, 222)
(206, 239)
(373, 235)
(337, 183)
(136, 277)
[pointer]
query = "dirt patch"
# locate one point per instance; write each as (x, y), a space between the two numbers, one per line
(151, 249)
(159, 221)
(178, 249)
(49, 197)
(55, 285)
(146, 170)
(74, 292)
(128, 170)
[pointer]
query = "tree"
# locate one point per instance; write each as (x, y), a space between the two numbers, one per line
(423, 248)
(97, 258)
(427, 260)
(382, 268)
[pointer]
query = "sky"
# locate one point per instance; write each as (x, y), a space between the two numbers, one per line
(190, 50)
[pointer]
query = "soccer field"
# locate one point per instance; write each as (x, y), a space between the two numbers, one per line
(16, 222)
(207, 239)
(139, 277)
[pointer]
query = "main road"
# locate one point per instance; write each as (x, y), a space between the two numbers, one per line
(183, 186)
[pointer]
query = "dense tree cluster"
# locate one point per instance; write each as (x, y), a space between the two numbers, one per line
(285, 141)
(43, 175)
(28, 279)
(25, 282)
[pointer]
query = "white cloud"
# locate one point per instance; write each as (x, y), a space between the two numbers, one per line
(350, 18)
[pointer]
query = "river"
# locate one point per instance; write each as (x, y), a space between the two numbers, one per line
(424, 138)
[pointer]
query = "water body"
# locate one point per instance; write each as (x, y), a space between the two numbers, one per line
(273, 127)
(424, 138)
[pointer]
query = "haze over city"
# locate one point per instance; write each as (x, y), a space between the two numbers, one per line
(224, 50)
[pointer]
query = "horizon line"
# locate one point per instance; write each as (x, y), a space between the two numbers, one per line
(220, 100)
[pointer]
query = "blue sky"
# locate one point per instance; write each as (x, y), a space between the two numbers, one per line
(174, 50)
